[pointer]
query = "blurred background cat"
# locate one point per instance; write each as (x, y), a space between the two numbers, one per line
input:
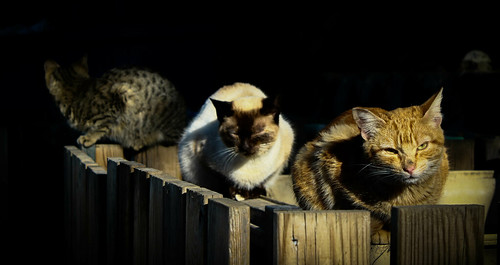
(134, 107)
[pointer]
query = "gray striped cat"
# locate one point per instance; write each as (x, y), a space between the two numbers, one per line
(136, 108)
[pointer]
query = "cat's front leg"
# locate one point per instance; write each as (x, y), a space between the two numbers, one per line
(91, 137)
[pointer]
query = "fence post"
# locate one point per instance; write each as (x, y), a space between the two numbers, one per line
(228, 235)
(437, 234)
(175, 220)
(161, 157)
(196, 224)
(156, 254)
(76, 200)
(119, 210)
(100, 153)
(96, 188)
(141, 195)
(68, 202)
(321, 237)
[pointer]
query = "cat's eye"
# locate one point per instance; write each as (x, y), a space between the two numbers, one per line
(422, 146)
(391, 150)
(263, 137)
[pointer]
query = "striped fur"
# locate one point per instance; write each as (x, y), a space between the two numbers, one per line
(136, 108)
(373, 159)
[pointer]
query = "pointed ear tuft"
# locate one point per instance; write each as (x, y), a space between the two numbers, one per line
(368, 123)
(432, 109)
(223, 109)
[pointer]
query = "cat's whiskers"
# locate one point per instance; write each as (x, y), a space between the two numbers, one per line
(227, 156)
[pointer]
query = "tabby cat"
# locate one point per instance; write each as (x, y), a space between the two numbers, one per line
(238, 144)
(373, 159)
(136, 108)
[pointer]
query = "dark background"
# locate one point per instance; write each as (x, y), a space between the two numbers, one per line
(322, 60)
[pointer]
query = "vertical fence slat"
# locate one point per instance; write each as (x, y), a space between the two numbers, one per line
(156, 218)
(112, 209)
(344, 237)
(141, 193)
(449, 234)
(175, 220)
(96, 188)
(196, 224)
(120, 210)
(78, 206)
(228, 235)
(100, 153)
(68, 203)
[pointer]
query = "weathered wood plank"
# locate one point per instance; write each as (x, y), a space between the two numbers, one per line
(344, 237)
(68, 202)
(100, 153)
(437, 234)
(80, 162)
(175, 220)
(161, 157)
(157, 207)
(96, 188)
(112, 209)
(120, 210)
(141, 193)
(196, 224)
(228, 235)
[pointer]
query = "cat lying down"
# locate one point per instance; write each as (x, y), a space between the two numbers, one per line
(373, 159)
(136, 108)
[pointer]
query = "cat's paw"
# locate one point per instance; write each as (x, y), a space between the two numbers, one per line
(86, 140)
(381, 237)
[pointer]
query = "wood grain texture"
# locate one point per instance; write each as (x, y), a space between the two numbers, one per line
(164, 158)
(96, 188)
(175, 220)
(437, 234)
(228, 235)
(321, 237)
(120, 210)
(100, 153)
(156, 220)
(196, 224)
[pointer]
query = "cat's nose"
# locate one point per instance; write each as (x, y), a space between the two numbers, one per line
(247, 149)
(409, 169)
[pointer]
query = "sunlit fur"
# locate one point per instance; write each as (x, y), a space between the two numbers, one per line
(238, 139)
(373, 159)
(134, 107)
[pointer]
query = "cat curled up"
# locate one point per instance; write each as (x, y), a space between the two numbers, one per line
(373, 159)
(238, 144)
(134, 107)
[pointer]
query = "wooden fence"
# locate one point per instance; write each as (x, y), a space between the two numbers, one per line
(132, 214)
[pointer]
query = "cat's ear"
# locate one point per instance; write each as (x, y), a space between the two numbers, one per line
(223, 109)
(50, 66)
(271, 106)
(432, 109)
(368, 123)
(82, 67)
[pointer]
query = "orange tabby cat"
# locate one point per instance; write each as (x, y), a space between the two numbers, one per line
(373, 159)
